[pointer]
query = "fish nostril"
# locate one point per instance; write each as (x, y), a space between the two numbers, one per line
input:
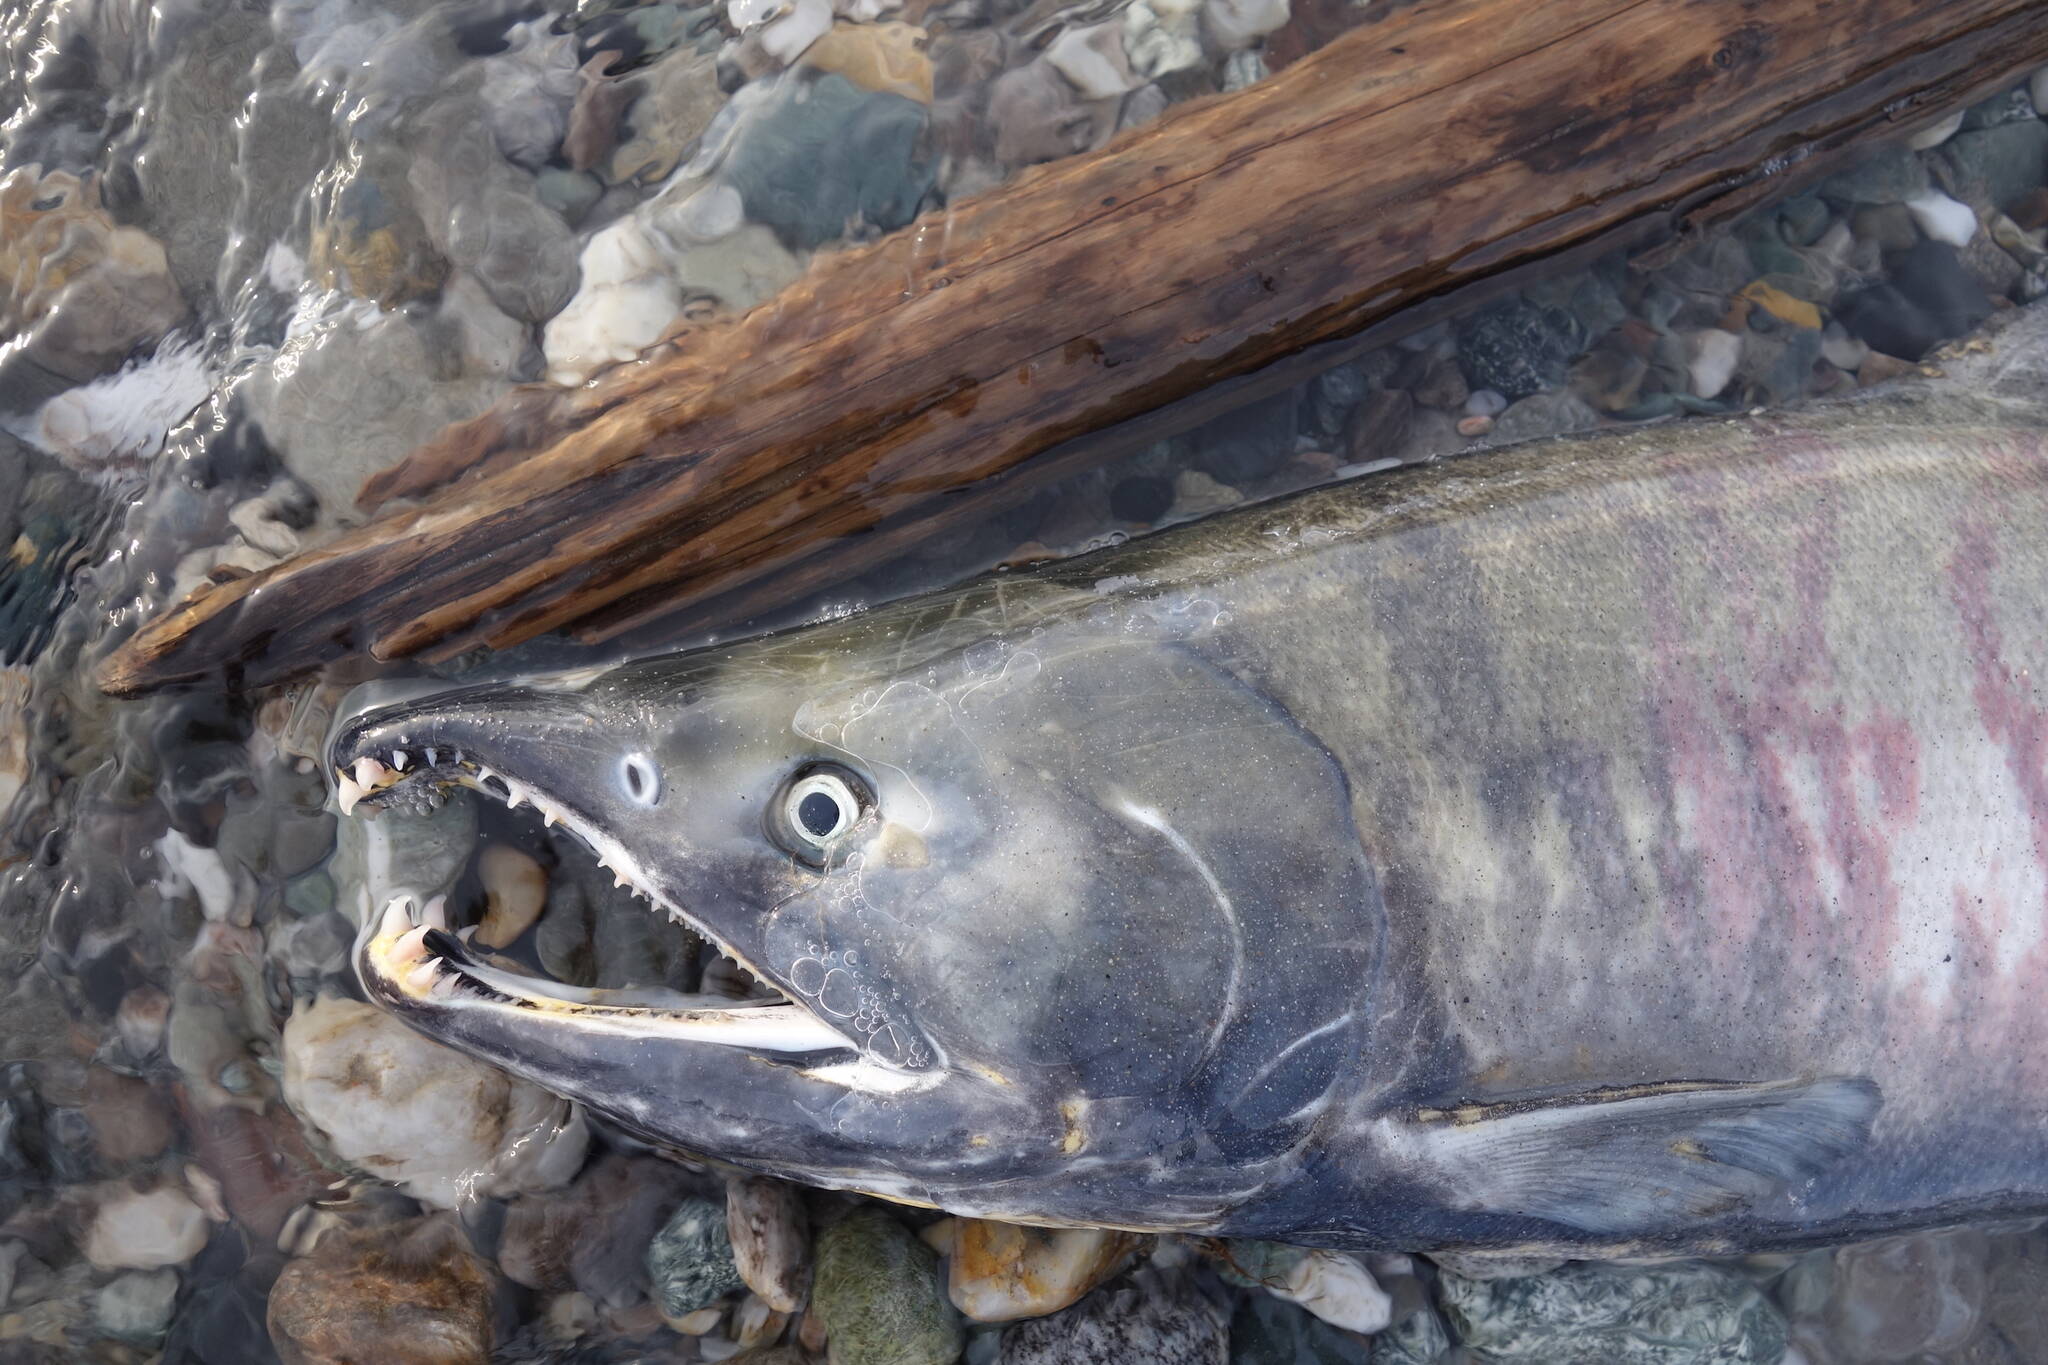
(640, 778)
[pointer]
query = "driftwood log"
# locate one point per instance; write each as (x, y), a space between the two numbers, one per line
(1431, 154)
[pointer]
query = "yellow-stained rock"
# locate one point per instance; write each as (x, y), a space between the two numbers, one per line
(1001, 1271)
(1782, 305)
(887, 58)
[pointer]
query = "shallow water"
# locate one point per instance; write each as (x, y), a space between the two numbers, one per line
(251, 256)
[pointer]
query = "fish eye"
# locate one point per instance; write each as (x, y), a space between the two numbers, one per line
(818, 804)
(640, 778)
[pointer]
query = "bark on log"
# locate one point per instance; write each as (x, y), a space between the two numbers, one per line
(1438, 150)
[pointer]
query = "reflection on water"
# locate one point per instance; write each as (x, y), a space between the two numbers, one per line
(250, 257)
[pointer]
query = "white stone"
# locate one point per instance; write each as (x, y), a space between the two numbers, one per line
(1485, 403)
(788, 27)
(515, 890)
(1340, 1291)
(627, 300)
(1235, 24)
(1715, 354)
(1942, 218)
(1935, 134)
(1162, 36)
(136, 1306)
(113, 424)
(187, 867)
(420, 1115)
(136, 1231)
(1841, 350)
(1093, 61)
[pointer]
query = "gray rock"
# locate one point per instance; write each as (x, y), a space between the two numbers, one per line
(1151, 1322)
(1543, 414)
(689, 1262)
(569, 193)
(486, 216)
(1517, 347)
(1890, 175)
(1269, 1331)
(1585, 1314)
(820, 158)
(1416, 1337)
(137, 1306)
(1906, 1298)
(312, 894)
(1996, 166)
(2010, 106)
(1803, 219)
(1777, 366)
(878, 1291)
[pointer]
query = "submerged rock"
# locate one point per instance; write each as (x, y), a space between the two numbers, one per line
(1518, 348)
(1269, 1331)
(137, 1306)
(1907, 1298)
(1152, 1322)
(421, 1115)
(771, 1240)
(689, 1262)
(820, 156)
(1587, 1314)
(144, 1230)
(411, 1292)
(1001, 1271)
(877, 1292)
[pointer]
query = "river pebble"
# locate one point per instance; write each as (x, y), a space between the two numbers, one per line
(1154, 1321)
(771, 1239)
(1000, 1271)
(134, 1229)
(412, 1292)
(690, 1262)
(136, 1307)
(1617, 1315)
(421, 1115)
(876, 1292)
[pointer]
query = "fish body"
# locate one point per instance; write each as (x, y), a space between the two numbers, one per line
(1622, 845)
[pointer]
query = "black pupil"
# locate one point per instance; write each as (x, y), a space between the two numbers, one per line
(636, 780)
(818, 814)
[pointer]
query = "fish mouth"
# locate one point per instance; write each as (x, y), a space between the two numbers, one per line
(411, 959)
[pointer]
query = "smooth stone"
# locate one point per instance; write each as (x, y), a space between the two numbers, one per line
(1485, 403)
(1930, 299)
(1777, 367)
(674, 102)
(690, 1261)
(1615, 1315)
(1518, 348)
(1998, 165)
(1196, 494)
(771, 1240)
(785, 29)
(1093, 60)
(129, 1120)
(1232, 25)
(1995, 271)
(78, 292)
(366, 238)
(1001, 1271)
(1543, 414)
(1838, 348)
(1936, 133)
(133, 1230)
(592, 1236)
(1907, 1298)
(515, 891)
(137, 1306)
(1266, 1330)
(421, 1115)
(819, 153)
(1151, 1322)
(569, 193)
(887, 58)
(1038, 116)
(876, 1291)
(1890, 175)
(1713, 356)
(1943, 219)
(529, 89)
(1163, 36)
(2007, 106)
(626, 301)
(410, 1291)
(1803, 218)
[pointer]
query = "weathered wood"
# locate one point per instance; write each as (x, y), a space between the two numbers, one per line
(1453, 142)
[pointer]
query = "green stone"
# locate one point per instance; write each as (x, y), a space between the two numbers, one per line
(877, 1289)
(1586, 1314)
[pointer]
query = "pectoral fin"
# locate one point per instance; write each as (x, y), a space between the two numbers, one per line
(1618, 1160)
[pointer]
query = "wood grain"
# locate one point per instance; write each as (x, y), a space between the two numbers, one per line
(1435, 152)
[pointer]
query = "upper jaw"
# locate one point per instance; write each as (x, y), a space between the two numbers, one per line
(408, 959)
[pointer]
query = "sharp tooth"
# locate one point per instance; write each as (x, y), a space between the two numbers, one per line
(549, 815)
(433, 757)
(399, 758)
(515, 797)
(347, 792)
(411, 946)
(618, 879)
(371, 774)
(444, 986)
(423, 976)
(435, 913)
(397, 917)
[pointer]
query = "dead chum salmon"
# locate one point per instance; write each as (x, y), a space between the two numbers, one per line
(1629, 843)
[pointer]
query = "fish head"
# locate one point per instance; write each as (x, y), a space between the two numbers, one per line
(1030, 904)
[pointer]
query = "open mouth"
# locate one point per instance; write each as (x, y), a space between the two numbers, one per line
(414, 956)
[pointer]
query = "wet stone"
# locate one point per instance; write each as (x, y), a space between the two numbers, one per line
(1891, 175)
(771, 1241)
(1151, 1322)
(1997, 166)
(144, 1230)
(1266, 1330)
(876, 1290)
(821, 156)
(1906, 1298)
(411, 1291)
(137, 1306)
(1588, 1314)
(1001, 1271)
(1930, 299)
(689, 1262)
(1518, 348)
